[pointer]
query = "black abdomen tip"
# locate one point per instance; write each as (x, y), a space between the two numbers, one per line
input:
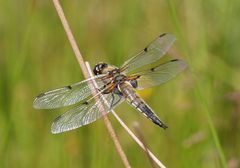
(163, 126)
(160, 124)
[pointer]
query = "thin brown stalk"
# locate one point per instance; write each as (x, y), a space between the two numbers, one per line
(87, 75)
(140, 135)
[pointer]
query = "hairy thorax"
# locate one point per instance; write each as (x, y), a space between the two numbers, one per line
(115, 80)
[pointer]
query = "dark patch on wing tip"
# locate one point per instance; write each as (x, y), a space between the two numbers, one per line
(86, 103)
(174, 60)
(162, 34)
(152, 69)
(146, 49)
(69, 87)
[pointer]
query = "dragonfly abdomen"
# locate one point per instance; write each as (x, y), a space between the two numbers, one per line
(141, 106)
(146, 111)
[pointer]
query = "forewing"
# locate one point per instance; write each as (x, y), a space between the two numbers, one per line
(159, 74)
(67, 95)
(154, 51)
(86, 113)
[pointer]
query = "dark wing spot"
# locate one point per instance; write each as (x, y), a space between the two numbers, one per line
(86, 103)
(162, 35)
(69, 87)
(174, 60)
(146, 49)
(152, 69)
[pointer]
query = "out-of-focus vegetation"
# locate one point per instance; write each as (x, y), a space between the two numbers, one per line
(201, 106)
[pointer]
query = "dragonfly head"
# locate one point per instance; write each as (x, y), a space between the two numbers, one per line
(98, 68)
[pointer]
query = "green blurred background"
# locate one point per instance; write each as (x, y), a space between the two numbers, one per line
(201, 106)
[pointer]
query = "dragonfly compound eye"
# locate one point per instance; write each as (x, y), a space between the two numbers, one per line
(98, 68)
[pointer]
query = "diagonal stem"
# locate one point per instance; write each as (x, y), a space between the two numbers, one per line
(141, 137)
(71, 38)
(87, 75)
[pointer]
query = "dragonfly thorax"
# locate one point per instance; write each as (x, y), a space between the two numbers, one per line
(120, 78)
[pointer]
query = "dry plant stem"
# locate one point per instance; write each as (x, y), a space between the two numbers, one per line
(71, 38)
(113, 134)
(153, 157)
(87, 75)
(140, 135)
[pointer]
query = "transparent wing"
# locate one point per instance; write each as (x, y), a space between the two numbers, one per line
(86, 113)
(154, 51)
(159, 74)
(67, 95)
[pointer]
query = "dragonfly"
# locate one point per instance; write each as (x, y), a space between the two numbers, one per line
(111, 85)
